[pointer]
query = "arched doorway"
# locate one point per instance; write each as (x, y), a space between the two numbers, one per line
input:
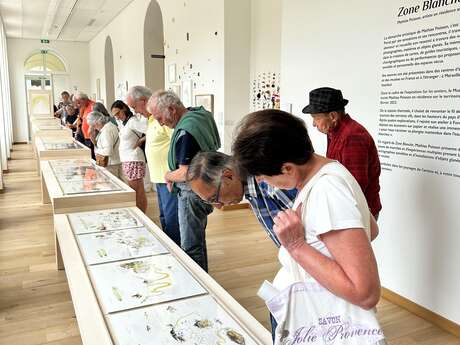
(109, 73)
(46, 76)
(153, 47)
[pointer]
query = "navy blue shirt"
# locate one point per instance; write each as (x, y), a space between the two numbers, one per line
(186, 148)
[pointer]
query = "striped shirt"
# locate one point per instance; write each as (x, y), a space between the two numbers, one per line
(266, 201)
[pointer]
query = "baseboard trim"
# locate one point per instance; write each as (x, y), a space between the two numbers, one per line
(20, 142)
(422, 312)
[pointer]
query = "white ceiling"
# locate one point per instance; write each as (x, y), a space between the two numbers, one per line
(68, 20)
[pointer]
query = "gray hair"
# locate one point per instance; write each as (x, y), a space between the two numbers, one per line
(208, 167)
(137, 92)
(80, 95)
(166, 99)
(96, 117)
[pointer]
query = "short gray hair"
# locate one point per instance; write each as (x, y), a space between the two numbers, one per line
(137, 92)
(164, 100)
(80, 95)
(208, 166)
(96, 117)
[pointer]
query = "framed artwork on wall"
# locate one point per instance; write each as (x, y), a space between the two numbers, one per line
(176, 89)
(207, 101)
(187, 89)
(172, 77)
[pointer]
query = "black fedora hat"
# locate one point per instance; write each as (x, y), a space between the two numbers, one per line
(325, 99)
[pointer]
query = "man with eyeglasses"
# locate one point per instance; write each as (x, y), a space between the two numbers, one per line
(212, 176)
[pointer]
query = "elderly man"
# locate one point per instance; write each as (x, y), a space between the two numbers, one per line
(85, 106)
(347, 141)
(157, 139)
(194, 130)
(213, 177)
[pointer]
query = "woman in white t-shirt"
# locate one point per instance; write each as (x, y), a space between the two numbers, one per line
(329, 234)
(132, 157)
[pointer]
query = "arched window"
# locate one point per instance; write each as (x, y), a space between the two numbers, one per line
(44, 61)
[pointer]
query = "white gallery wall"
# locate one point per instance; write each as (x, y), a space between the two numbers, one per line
(340, 44)
(75, 57)
(199, 59)
(6, 124)
(219, 46)
(265, 52)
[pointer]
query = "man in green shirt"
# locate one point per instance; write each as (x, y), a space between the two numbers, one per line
(194, 130)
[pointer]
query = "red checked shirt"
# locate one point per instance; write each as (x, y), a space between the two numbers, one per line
(352, 145)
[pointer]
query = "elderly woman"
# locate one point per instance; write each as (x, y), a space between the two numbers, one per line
(327, 238)
(106, 143)
(131, 155)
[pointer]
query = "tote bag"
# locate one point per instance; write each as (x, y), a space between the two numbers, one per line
(307, 313)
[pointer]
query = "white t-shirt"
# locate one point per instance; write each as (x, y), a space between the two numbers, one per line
(335, 202)
(130, 133)
(108, 143)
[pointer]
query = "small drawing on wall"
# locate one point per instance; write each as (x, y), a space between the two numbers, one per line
(187, 89)
(175, 88)
(266, 91)
(207, 101)
(172, 76)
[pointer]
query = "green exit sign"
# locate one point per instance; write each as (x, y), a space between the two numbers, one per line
(44, 41)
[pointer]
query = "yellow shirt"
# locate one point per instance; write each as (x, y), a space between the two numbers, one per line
(158, 139)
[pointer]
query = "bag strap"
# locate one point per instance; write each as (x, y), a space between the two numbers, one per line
(302, 198)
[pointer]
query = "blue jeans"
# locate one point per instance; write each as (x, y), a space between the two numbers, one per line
(193, 218)
(169, 218)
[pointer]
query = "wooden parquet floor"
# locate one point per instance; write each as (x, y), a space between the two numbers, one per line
(35, 303)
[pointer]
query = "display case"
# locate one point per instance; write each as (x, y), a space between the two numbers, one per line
(50, 130)
(45, 121)
(33, 117)
(59, 148)
(72, 185)
(150, 292)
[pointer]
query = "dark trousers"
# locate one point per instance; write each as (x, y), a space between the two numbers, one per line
(168, 205)
(89, 143)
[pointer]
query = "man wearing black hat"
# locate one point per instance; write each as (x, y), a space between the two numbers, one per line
(347, 141)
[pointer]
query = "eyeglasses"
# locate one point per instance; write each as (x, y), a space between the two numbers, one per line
(215, 199)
